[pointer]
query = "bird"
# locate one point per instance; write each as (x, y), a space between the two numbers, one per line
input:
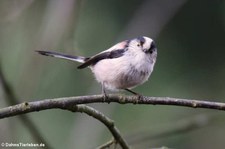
(124, 66)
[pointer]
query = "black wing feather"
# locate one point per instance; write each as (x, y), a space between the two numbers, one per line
(105, 55)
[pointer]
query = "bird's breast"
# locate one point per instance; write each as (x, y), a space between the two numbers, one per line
(121, 73)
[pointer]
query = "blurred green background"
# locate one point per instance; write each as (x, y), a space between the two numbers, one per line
(190, 36)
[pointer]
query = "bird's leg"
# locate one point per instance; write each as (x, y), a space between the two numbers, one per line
(104, 92)
(132, 92)
(137, 94)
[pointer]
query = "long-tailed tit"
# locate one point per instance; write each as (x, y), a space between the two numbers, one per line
(123, 66)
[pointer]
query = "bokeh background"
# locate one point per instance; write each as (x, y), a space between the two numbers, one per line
(190, 36)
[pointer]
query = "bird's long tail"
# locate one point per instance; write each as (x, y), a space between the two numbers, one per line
(79, 59)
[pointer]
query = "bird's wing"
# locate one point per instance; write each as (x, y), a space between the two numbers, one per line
(103, 55)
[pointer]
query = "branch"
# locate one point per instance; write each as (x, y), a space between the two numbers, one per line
(72, 104)
(12, 99)
(107, 144)
(102, 118)
(62, 103)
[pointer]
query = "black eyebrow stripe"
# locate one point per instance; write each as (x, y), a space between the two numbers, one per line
(142, 40)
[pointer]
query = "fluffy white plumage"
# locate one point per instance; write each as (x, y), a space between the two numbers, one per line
(123, 66)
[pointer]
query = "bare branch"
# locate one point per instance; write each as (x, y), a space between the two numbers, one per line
(65, 102)
(102, 118)
(72, 104)
(107, 144)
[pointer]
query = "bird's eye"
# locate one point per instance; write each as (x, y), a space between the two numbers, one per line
(142, 42)
(138, 45)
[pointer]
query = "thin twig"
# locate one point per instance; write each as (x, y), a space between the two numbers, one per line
(66, 102)
(102, 118)
(63, 102)
(107, 144)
